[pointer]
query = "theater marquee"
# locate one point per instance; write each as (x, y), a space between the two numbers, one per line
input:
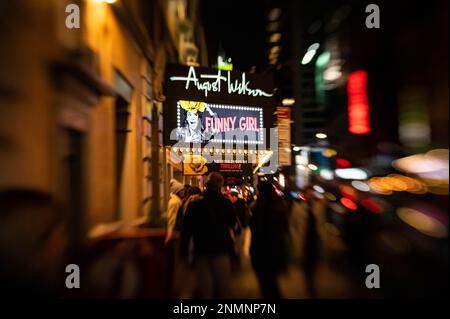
(200, 122)
(224, 113)
(215, 106)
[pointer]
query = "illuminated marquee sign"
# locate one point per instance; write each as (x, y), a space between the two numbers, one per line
(200, 122)
(196, 165)
(206, 106)
(213, 83)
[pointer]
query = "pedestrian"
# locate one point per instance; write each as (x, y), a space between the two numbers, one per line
(208, 221)
(192, 194)
(241, 229)
(269, 243)
(177, 192)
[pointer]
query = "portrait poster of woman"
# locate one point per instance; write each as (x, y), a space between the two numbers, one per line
(192, 128)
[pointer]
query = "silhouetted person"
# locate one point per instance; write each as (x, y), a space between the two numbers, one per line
(177, 193)
(243, 216)
(208, 221)
(269, 251)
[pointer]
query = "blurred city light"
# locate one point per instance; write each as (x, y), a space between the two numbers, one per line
(361, 186)
(332, 73)
(422, 222)
(319, 189)
(323, 59)
(329, 152)
(330, 196)
(288, 102)
(432, 165)
(372, 205)
(326, 174)
(321, 135)
(282, 181)
(342, 163)
(358, 105)
(349, 192)
(347, 202)
(310, 53)
(351, 173)
(274, 38)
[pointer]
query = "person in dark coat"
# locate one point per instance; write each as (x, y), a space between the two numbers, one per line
(241, 229)
(209, 222)
(269, 246)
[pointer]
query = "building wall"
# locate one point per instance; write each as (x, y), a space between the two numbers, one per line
(116, 52)
(38, 109)
(26, 117)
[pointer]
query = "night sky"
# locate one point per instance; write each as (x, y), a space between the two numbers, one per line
(239, 28)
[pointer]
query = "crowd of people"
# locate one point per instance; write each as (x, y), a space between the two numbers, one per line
(213, 227)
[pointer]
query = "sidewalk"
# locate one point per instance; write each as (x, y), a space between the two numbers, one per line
(329, 281)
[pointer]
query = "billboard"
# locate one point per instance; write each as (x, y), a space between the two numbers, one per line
(205, 105)
(201, 122)
(215, 120)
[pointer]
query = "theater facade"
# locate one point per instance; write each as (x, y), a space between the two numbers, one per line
(216, 120)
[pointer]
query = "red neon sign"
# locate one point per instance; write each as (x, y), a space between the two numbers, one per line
(358, 104)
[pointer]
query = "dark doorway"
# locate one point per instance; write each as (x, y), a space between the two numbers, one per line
(73, 181)
(122, 117)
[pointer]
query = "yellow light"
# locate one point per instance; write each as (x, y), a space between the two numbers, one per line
(423, 223)
(376, 184)
(275, 37)
(396, 184)
(329, 152)
(106, 1)
(288, 102)
(275, 50)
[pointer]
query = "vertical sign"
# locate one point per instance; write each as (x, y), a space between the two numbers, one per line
(284, 136)
(358, 103)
